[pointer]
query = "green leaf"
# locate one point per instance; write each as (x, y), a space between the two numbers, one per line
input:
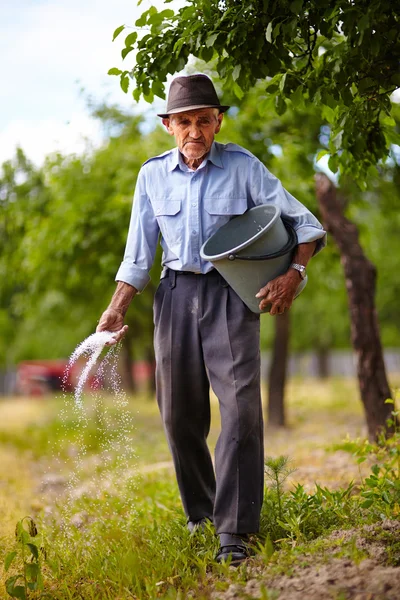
(13, 590)
(34, 550)
(114, 71)
(124, 83)
(178, 45)
(20, 533)
(268, 33)
(206, 54)
(118, 31)
(395, 79)
(389, 401)
(8, 559)
(320, 154)
(367, 503)
(158, 89)
(126, 51)
(149, 97)
(19, 592)
(32, 571)
(211, 39)
(142, 20)
(131, 39)
(136, 94)
(333, 163)
(375, 469)
(296, 6)
(297, 97)
(236, 72)
(282, 83)
(237, 90)
(366, 84)
(328, 113)
(168, 13)
(280, 105)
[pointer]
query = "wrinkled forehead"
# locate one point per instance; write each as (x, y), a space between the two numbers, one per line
(196, 113)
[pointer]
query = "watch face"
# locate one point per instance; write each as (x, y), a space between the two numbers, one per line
(300, 268)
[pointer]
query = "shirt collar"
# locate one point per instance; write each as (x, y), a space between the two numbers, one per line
(176, 159)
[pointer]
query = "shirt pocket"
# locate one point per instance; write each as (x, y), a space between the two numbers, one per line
(169, 218)
(220, 210)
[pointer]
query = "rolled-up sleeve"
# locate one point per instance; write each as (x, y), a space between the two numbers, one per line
(142, 239)
(265, 188)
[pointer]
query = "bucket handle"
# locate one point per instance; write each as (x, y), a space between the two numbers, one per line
(288, 247)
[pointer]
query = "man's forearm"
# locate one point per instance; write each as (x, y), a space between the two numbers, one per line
(122, 297)
(304, 252)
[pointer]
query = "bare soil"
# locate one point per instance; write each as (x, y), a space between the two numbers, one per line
(327, 576)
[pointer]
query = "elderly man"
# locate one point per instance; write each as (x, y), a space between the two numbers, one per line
(204, 333)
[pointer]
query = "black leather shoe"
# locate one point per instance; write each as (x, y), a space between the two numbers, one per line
(198, 525)
(236, 553)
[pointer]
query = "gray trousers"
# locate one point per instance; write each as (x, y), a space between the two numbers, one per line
(205, 334)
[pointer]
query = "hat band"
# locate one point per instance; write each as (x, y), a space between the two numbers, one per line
(182, 109)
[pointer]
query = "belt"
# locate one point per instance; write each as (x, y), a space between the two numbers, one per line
(171, 272)
(172, 275)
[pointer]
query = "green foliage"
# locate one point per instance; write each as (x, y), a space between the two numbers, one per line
(380, 491)
(63, 230)
(26, 558)
(342, 57)
(297, 516)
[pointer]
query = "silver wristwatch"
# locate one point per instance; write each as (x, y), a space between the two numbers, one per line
(300, 268)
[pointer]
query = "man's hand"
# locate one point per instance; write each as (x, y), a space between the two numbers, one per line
(112, 320)
(279, 292)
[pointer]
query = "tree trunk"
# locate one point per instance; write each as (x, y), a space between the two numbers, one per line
(360, 275)
(277, 372)
(322, 362)
(128, 380)
(151, 362)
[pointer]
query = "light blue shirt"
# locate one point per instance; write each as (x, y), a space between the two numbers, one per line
(186, 207)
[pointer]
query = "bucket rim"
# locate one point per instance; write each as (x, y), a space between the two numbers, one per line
(245, 244)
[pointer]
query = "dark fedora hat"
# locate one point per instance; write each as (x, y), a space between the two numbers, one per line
(190, 93)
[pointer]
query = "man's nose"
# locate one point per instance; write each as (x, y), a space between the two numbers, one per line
(194, 132)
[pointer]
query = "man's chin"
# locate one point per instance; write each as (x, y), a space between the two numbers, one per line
(194, 153)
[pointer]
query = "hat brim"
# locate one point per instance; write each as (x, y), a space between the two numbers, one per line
(182, 109)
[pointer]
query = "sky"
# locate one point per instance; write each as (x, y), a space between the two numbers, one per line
(51, 50)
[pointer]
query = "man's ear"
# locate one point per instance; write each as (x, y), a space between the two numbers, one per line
(167, 125)
(220, 119)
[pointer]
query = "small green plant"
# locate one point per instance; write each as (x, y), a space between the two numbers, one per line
(27, 555)
(277, 471)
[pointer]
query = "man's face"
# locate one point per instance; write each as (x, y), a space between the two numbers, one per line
(194, 131)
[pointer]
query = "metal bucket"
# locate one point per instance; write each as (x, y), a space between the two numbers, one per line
(251, 250)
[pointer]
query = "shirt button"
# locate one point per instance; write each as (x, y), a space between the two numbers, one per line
(194, 232)
(194, 205)
(195, 259)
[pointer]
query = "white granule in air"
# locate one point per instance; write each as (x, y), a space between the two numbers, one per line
(92, 347)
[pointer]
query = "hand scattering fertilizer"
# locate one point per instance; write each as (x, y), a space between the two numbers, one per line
(92, 347)
(97, 425)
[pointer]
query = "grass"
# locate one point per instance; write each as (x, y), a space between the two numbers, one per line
(122, 534)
